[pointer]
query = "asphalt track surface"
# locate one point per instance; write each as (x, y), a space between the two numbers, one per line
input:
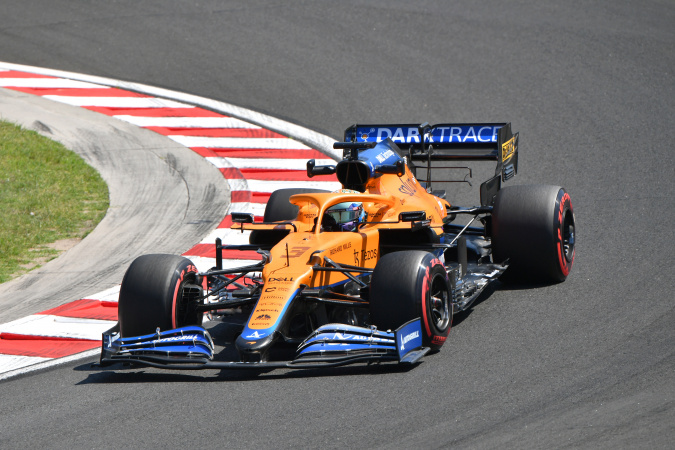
(590, 86)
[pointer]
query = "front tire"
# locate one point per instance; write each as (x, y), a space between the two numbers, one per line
(159, 291)
(278, 209)
(534, 228)
(411, 284)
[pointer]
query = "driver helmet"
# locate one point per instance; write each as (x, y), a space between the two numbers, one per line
(344, 216)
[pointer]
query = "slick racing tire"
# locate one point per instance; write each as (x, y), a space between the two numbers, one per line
(411, 284)
(159, 291)
(533, 228)
(278, 208)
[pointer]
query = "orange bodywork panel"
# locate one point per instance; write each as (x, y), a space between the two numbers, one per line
(292, 260)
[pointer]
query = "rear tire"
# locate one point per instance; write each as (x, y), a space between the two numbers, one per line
(278, 209)
(158, 291)
(534, 228)
(411, 284)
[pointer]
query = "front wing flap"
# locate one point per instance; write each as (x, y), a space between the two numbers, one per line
(182, 344)
(403, 345)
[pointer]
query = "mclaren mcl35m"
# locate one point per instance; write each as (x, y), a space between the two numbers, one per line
(373, 272)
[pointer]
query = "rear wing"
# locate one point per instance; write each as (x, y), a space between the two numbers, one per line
(446, 141)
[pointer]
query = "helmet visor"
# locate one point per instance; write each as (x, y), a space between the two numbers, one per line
(345, 212)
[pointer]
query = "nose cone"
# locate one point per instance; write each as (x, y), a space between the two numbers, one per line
(254, 350)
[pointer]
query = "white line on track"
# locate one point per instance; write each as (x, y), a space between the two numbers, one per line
(9, 363)
(265, 163)
(203, 264)
(186, 122)
(32, 366)
(108, 295)
(58, 326)
(46, 83)
(273, 185)
(117, 102)
(248, 143)
(232, 237)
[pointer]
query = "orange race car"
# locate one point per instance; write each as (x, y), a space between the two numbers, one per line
(373, 272)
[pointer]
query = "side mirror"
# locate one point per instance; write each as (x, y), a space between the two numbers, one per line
(242, 217)
(313, 169)
(412, 216)
(398, 168)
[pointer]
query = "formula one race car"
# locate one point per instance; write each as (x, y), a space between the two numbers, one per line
(373, 272)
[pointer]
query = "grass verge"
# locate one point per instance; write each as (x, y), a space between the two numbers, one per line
(47, 194)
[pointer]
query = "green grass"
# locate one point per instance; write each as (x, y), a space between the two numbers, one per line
(47, 193)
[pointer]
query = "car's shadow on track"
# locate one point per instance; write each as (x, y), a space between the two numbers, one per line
(120, 374)
(498, 285)
(461, 316)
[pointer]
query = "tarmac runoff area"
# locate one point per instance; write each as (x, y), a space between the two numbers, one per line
(175, 166)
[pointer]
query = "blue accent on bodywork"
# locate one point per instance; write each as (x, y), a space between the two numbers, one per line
(444, 133)
(345, 338)
(382, 153)
(327, 347)
(408, 337)
(189, 341)
(330, 345)
(254, 335)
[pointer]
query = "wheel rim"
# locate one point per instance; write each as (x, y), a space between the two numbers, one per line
(568, 237)
(186, 301)
(439, 303)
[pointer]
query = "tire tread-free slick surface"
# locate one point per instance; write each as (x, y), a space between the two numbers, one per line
(529, 225)
(402, 288)
(151, 293)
